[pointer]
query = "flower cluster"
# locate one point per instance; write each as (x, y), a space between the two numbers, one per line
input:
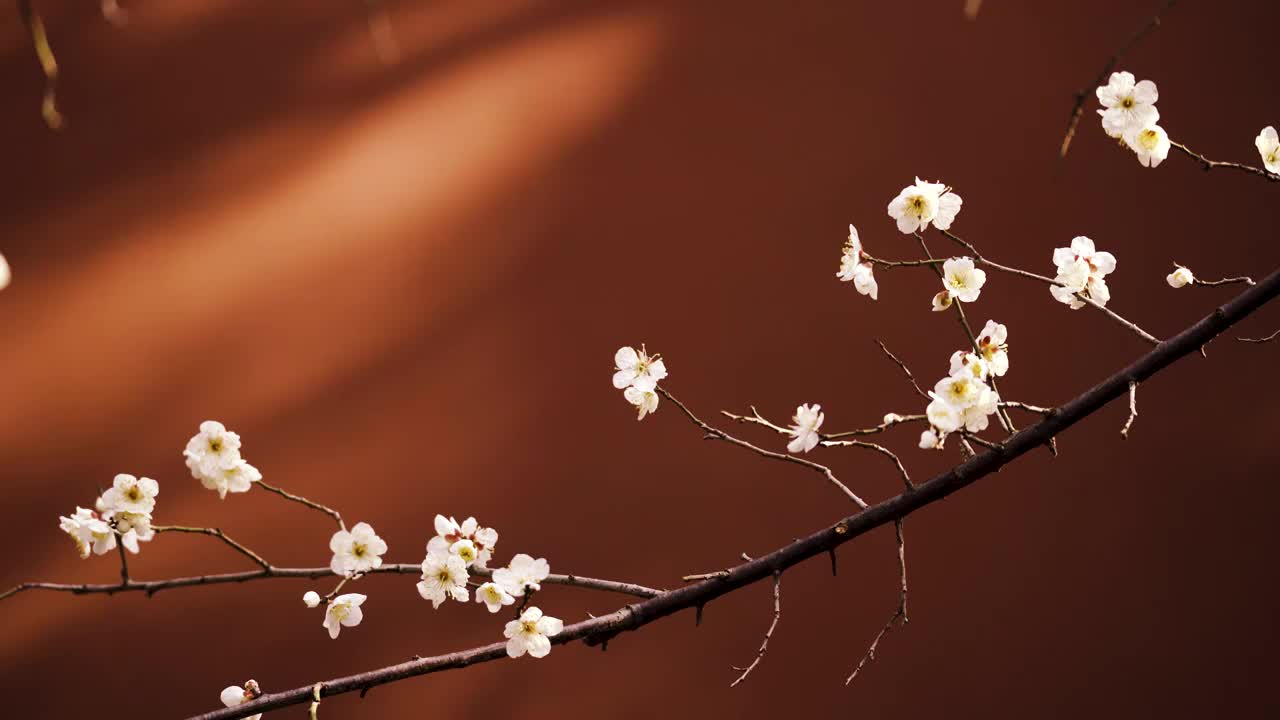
(965, 399)
(923, 203)
(1129, 113)
(454, 548)
(637, 375)
(1081, 273)
(853, 268)
(213, 456)
(357, 551)
(961, 280)
(1268, 144)
(123, 511)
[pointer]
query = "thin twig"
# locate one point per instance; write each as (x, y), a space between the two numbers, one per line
(1133, 409)
(777, 615)
(1078, 109)
(906, 371)
(309, 503)
(48, 64)
(215, 532)
(1224, 281)
(1268, 338)
(893, 421)
(902, 470)
(899, 613)
(717, 433)
(150, 587)
(1208, 164)
(637, 615)
(124, 567)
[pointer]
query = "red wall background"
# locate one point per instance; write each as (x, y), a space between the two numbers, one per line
(403, 286)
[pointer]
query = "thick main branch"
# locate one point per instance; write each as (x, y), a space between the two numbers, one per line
(631, 617)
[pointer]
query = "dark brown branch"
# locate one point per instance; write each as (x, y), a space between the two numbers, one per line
(1082, 96)
(150, 587)
(1208, 164)
(631, 617)
(777, 615)
(48, 63)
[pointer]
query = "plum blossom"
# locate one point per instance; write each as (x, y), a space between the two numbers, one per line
(449, 533)
(1151, 143)
(993, 344)
(356, 551)
(311, 599)
(977, 412)
(5, 273)
(1127, 106)
(494, 596)
(943, 416)
(236, 695)
(344, 611)
(236, 479)
(969, 364)
(131, 494)
(443, 577)
(1181, 277)
(523, 572)
(941, 301)
(1268, 144)
(531, 633)
(90, 533)
(646, 401)
(804, 433)
(212, 449)
(929, 440)
(853, 269)
(133, 528)
(922, 203)
(1081, 273)
(962, 280)
(634, 368)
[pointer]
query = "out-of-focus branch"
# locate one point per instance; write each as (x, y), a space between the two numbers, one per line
(48, 63)
(599, 630)
(1077, 110)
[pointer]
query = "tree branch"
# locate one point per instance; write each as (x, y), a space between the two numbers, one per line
(631, 617)
(299, 499)
(215, 532)
(777, 615)
(1208, 164)
(48, 63)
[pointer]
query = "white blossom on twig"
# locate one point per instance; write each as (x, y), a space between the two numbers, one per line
(443, 577)
(1180, 277)
(494, 596)
(1127, 106)
(962, 279)
(804, 433)
(523, 572)
(1268, 144)
(343, 611)
(356, 551)
(922, 203)
(852, 267)
(531, 633)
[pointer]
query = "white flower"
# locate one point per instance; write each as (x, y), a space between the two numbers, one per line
(970, 365)
(646, 401)
(960, 391)
(929, 440)
(920, 204)
(941, 301)
(804, 433)
(1081, 271)
(852, 267)
(943, 416)
(1151, 143)
(133, 528)
(212, 449)
(443, 577)
(311, 599)
(357, 551)
(530, 633)
(1127, 106)
(237, 479)
(131, 494)
(449, 532)
(962, 280)
(235, 695)
(1268, 143)
(891, 418)
(494, 596)
(343, 611)
(90, 533)
(1180, 277)
(976, 414)
(464, 549)
(636, 368)
(992, 341)
(5, 273)
(521, 573)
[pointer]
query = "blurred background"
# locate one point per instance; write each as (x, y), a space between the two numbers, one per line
(400, 272)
